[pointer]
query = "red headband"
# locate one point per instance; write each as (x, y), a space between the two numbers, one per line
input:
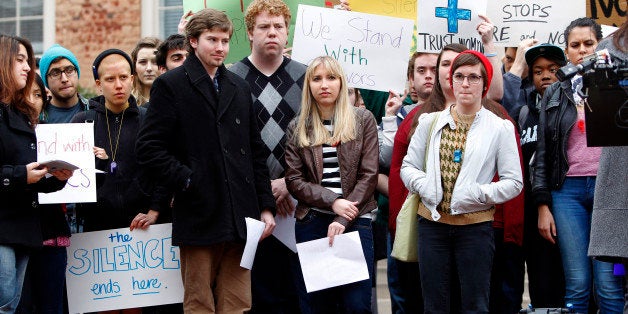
(487, 66)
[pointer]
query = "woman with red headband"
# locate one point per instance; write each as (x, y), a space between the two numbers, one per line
(451, 161)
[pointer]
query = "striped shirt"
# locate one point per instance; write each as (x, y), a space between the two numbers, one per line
(331, 168)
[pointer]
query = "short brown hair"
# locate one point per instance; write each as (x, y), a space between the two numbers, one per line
(412, 61)
(273, 7)
(206, 19)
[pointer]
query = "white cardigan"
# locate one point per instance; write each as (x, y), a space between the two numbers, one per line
(491, 147)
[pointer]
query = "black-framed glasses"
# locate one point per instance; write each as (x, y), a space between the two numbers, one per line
(56, 73)
(472, 78)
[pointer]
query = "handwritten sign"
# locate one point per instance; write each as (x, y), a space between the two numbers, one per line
(609, 12)
(118, 269)
(239, 46)
(373, 49)
(544, 20)
(444, 22)
(395, 8)
(71, 142)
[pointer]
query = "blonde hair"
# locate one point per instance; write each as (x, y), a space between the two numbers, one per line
(310, 130)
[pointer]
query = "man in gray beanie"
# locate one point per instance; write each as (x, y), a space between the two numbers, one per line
(60, 72)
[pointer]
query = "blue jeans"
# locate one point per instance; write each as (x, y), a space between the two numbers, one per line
(572, 208)
(351, 298)
(469, 249)
(404, 284)
(13, 262)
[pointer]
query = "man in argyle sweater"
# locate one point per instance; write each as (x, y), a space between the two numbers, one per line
(276, 85)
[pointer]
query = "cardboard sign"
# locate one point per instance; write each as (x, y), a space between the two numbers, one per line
(239, 46)
(444, 22)
(544, 20)
(73, 143)
(373, 49)
(118, 269)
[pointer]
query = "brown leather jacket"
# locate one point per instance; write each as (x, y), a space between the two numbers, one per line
(358, 160)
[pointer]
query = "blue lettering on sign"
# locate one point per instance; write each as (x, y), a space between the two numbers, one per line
(145, 286)
(110, 289)
(155, 253)
(453, 14)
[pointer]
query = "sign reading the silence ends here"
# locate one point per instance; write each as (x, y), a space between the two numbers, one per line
(239, 46)
(73, 143)
(373, 49)
(441, 22)
(119, 269)
(543, 20)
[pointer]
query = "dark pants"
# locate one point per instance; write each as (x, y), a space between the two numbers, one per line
(273, 284)
(546, 282)
(507, 277)
(404, 285)
(469, 249)
(350, 298)
(44, 291)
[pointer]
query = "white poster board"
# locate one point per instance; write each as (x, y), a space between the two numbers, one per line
(544, 20)
(73, 143)
(443, 22)
(374, 50)
(118, 269)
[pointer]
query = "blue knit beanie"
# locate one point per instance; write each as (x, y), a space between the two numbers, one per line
(52, 53)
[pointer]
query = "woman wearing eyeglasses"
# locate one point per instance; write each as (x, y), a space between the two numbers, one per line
(468, 145)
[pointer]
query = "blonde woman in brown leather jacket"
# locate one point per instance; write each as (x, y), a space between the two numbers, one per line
(332, 161)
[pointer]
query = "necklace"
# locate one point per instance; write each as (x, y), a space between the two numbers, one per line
(461, 128)
(114, 150)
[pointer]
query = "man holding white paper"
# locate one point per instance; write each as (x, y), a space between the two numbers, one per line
(200, 140)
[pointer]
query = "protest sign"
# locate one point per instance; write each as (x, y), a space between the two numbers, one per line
(609, 12)
(118, 269)
(373, 49)
(396, 8)
(72, 143)
(239, 45)
(544, 20)
(444, 22)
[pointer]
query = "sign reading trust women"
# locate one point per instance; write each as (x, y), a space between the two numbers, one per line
(119, 269)
(443, 22)
(373, 49)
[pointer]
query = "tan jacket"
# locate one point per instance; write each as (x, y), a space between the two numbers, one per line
(358, 160)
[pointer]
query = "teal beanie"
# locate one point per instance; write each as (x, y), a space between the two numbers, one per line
(53, 53)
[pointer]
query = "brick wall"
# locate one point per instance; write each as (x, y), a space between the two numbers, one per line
(89, 27)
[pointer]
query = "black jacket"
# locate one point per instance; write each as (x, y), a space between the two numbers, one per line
(119, 195)
(206, 148)
(19, 212)
(557, 116)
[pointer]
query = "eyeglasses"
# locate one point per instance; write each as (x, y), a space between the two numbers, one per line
(56, 73)
(472, 78)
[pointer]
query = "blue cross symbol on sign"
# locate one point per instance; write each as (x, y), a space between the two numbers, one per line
(453, 14)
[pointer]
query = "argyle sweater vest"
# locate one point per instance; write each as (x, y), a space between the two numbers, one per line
(452, 140)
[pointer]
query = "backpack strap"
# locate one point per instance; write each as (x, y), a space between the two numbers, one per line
(523, 116)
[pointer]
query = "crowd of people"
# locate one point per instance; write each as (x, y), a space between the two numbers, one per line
(495, 149)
